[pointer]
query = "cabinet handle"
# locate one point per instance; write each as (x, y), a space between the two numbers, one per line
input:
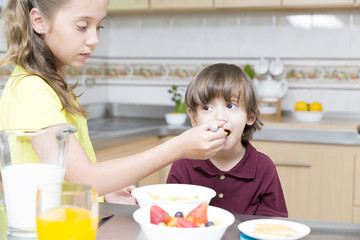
(290, 164)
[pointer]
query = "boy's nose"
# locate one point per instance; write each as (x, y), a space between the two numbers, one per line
(220, 115)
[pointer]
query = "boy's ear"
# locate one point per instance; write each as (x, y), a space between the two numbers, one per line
(37, 21)
(192, 117)
(250, 119)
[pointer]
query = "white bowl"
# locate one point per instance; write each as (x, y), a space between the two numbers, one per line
(156, 232)
(308, 116)
(175, 119)
(183, 193)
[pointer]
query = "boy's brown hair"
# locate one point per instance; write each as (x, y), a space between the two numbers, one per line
(225, 80)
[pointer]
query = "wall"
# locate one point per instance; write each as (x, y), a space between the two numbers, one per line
(310, 34)
(297, 37)
(300, 37)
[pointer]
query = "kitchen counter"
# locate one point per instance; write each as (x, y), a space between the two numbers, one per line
(330, 130)
(326, 123)
(106, 132)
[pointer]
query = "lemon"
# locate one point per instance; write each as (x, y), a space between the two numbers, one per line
(316, 106)
(301, 106)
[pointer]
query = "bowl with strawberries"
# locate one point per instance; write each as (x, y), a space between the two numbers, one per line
(183, 221)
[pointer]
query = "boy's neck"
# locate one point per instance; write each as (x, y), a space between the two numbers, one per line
(226, 160)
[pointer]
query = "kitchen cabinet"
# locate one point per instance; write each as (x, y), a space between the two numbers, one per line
(356, 214)
(317, 3)
(145, 6)
(128, 5)
(246, 3)
(319, 180)
(181, 4)
(134, 147)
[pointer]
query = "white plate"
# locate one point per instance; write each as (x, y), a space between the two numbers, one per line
(248, 228)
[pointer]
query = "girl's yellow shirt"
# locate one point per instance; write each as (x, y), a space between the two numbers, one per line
(30, 103)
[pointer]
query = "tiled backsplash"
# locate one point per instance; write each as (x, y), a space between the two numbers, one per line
(147, 82)
(320, 73)
(336, 86)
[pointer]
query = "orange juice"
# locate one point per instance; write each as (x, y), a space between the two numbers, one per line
(64, 223)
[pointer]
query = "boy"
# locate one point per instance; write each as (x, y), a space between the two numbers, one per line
(245, 180)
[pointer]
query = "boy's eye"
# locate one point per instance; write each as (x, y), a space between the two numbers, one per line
(206, 107)
(99, 27)
(231, 105)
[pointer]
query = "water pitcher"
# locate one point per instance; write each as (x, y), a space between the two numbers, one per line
(30, 158)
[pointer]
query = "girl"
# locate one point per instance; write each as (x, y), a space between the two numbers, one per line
(43, 38)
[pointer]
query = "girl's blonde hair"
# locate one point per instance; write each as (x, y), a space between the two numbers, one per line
(225, 80)
(27, 48)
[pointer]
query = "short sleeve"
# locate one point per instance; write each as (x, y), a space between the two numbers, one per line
(33, 104)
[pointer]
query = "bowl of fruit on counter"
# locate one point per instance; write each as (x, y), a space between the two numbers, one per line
(183, 221)
(172, 193)
(308, 112)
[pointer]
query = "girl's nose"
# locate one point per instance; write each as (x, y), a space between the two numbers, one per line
(93, 38)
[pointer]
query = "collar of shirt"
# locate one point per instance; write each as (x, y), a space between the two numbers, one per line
(245, 169)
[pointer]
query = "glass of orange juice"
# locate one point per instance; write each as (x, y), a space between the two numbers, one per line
(66, 211)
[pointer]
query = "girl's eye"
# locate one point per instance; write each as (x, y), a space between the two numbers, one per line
(85, 27)
(82, 27)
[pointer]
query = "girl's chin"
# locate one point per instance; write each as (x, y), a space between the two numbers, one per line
(77, 65)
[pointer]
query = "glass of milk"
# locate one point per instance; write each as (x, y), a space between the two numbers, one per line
(30, 158)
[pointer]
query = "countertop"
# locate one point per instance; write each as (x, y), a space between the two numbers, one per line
(327, 123)
(106, 132)
(122, 226)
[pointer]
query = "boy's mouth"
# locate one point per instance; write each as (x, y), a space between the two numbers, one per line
(227, 133)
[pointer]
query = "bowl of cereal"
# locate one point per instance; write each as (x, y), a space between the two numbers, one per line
(172, 193)
(183, 221)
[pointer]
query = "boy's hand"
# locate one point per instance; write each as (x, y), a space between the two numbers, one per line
(122, 196)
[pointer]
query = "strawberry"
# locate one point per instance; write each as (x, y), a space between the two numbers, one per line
(183, 223)
(199, 214)
(158, 215)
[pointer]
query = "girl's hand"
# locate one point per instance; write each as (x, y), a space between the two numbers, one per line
(201, 143)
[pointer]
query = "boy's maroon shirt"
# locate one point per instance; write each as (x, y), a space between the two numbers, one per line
(251, 187)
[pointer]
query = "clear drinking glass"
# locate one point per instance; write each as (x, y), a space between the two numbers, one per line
(30, 158)
(3, 221)
(67, 211)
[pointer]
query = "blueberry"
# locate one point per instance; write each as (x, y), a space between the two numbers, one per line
(209, 224)
(179, 214)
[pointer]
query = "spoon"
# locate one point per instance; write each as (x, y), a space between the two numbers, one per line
(104, 216)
